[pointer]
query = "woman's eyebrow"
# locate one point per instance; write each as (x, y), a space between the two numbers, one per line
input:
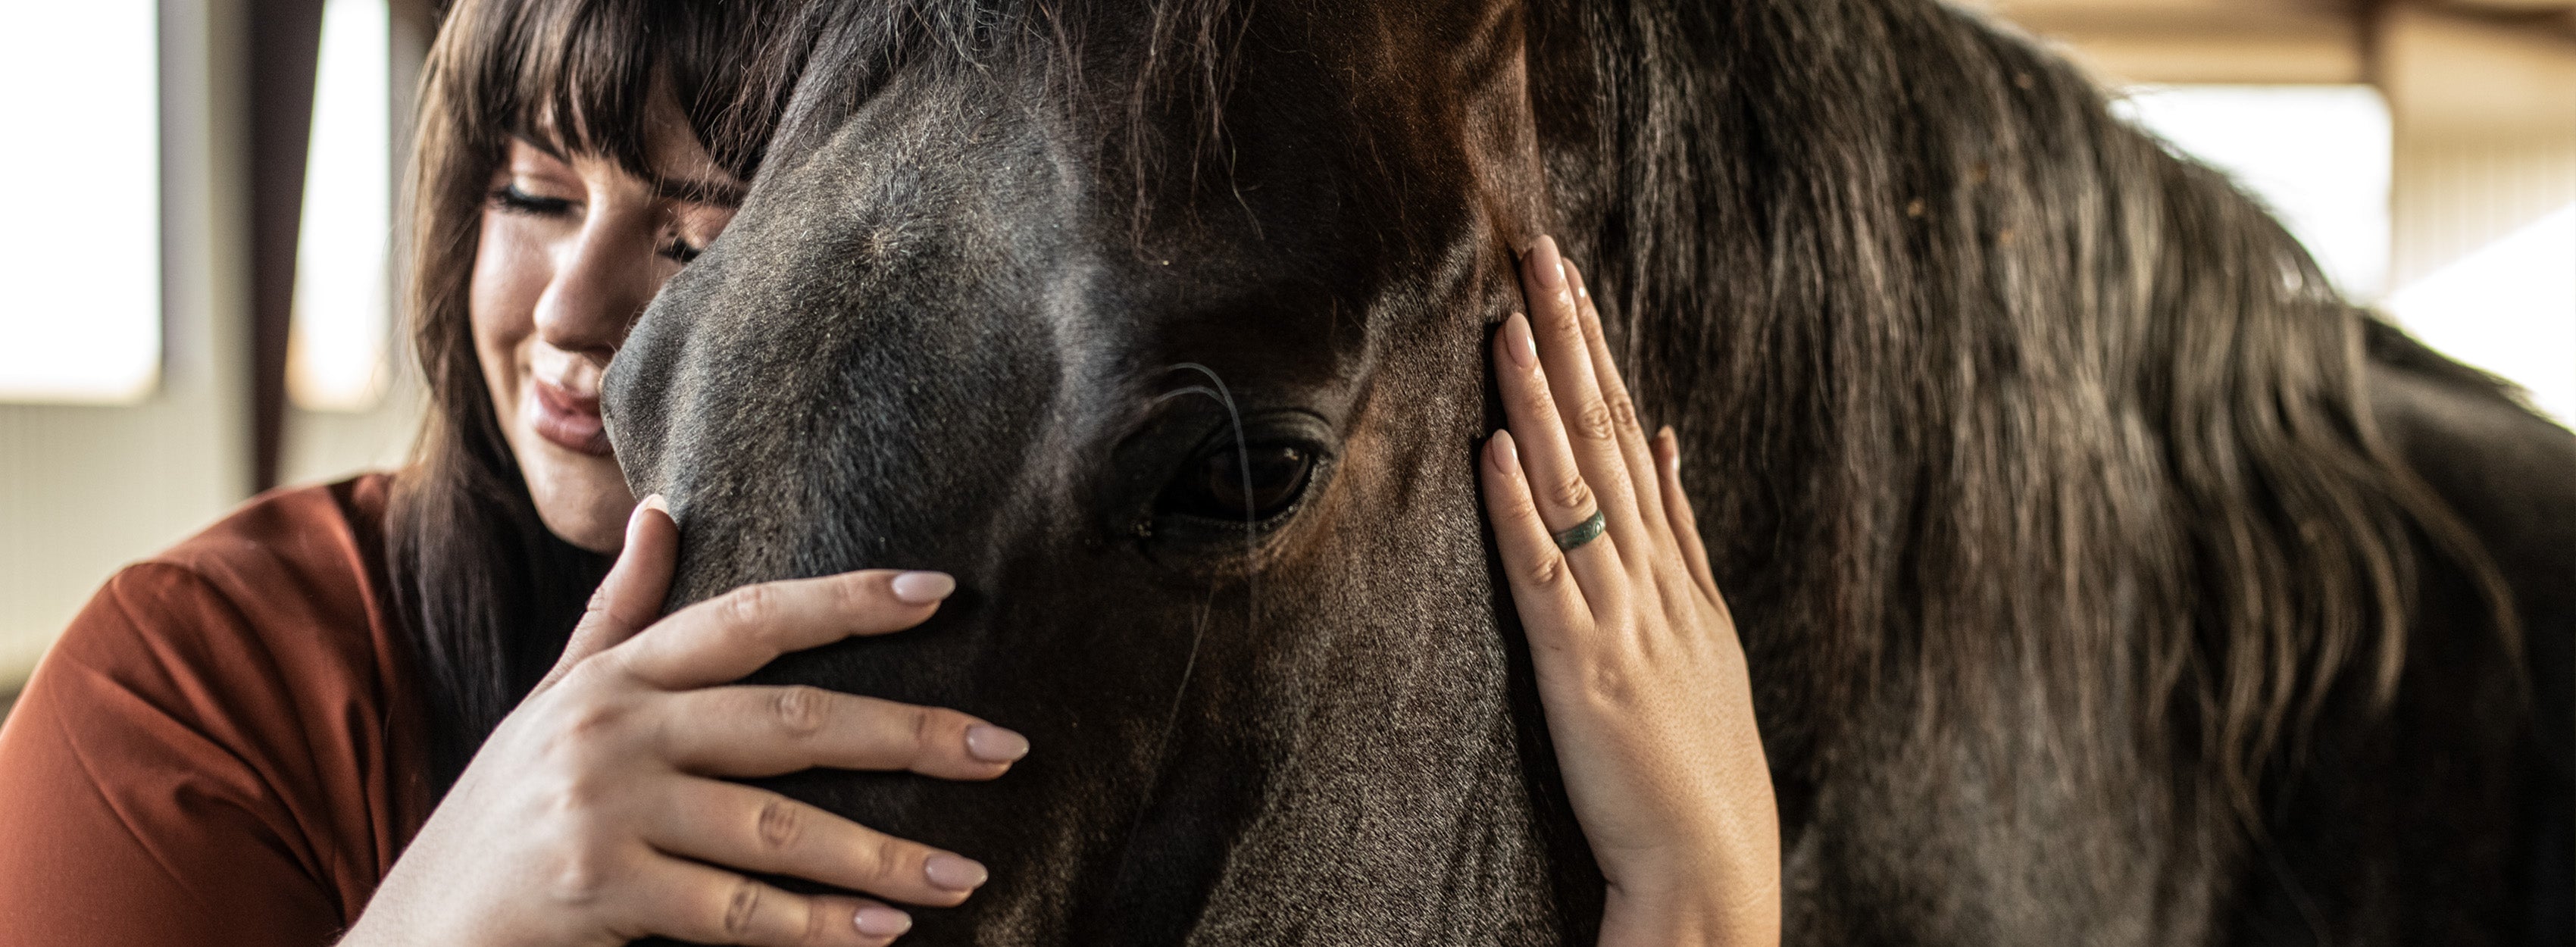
(719, 193)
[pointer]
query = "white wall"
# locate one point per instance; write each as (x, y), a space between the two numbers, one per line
(86, 489)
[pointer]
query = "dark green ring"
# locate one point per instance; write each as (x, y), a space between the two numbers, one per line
(1583, 532)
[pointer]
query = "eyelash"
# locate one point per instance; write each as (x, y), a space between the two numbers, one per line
(681, 251)
(509, 198)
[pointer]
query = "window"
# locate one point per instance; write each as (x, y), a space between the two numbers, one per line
(2318, 155)
(80, 316)
(340, 329)
(2321, 157)
(2509, 308)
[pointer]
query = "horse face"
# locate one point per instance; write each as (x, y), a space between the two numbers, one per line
(1199, 451)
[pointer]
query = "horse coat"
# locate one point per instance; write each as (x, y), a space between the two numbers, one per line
(2105, 577)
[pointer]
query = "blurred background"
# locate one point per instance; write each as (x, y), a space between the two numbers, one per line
(199, 301)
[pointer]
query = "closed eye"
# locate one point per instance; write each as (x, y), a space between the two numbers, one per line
(508, 197)
(681, 251)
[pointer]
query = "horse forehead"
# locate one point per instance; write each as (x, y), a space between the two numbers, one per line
(942, 191)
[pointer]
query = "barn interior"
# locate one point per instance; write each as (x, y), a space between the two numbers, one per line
(220, 323)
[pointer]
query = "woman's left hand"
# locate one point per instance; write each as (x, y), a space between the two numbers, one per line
(1638, 664)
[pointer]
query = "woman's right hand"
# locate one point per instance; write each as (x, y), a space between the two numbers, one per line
(598, 812)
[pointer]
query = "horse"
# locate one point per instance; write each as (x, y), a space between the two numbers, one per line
(2105, 576)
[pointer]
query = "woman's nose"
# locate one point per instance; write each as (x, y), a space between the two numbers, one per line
(602, 281)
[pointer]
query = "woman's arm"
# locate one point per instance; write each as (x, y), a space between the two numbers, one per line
(1638, 664)
(598, 812)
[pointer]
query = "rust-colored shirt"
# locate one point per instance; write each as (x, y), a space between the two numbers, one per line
(225, 748)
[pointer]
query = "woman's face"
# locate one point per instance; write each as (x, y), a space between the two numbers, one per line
(572, 249)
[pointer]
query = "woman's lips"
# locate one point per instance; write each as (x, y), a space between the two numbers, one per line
(571, 421)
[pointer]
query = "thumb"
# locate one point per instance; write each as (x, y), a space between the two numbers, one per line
(631, 596)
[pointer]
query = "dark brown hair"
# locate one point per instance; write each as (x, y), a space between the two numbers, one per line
(489, 595)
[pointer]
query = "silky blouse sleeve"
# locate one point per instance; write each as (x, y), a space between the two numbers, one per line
(162, 781)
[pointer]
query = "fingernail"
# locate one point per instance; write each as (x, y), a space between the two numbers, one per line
(1549, 266)
(655, 502)
(877, 920)
(1507, 456)
(923, 588)
(1518, 341)
(995, 745)
(635, 520)
(954, 872)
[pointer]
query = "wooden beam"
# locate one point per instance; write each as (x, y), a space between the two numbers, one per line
(2485, 118)
(2449, 73)
(285, 45)
(2201, 41)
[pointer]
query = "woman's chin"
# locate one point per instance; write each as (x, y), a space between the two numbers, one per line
(582, 499)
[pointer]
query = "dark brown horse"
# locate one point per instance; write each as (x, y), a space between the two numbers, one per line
(2107, 579)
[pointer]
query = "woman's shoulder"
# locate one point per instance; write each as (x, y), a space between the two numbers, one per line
(329, 534)
(241, 692)
(292, 577)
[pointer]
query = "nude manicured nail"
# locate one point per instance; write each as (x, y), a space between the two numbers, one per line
(995, 745)
(923, 588)
(954, 872)
(635, 520)
(1547, 264)
(877, 920)
(1507, 455)
(1518, 341)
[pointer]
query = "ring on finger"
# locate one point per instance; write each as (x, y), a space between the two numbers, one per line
(1583, 532)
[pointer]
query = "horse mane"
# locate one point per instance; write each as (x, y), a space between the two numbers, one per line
(1992, 404)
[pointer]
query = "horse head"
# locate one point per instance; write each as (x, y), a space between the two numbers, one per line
(2085, 596)
(1164, 335)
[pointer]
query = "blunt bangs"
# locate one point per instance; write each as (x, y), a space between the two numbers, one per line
(578, 75)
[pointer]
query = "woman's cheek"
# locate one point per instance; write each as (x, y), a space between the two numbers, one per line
(510, 274)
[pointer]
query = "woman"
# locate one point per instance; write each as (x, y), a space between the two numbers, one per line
(354, 710)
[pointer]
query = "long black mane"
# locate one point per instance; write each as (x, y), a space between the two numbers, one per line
(2023, 390)
(2045, 448)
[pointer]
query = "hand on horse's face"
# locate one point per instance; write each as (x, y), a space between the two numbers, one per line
(572, 247)
(599, 812)
(1638, 664)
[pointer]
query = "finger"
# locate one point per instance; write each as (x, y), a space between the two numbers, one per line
(768, 731)
(759, 831)
(725, 638)
(1626, 428)
(1677, 507)
(632, 594)
(706, 905)
(1584, 415)
(1562, 494)
(1549, 600)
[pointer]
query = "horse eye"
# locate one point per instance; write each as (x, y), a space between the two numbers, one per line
(1254, 483)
